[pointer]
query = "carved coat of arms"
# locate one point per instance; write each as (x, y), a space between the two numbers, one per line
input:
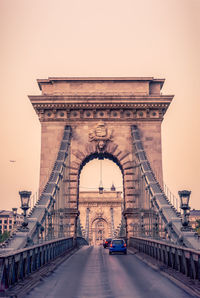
(101, 135)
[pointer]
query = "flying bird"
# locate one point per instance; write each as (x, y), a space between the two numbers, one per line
(12, 160)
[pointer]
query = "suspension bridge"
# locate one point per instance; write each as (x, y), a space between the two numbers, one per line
(104, 118)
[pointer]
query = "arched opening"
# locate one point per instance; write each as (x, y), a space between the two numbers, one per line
(100, 213)
(99, 231)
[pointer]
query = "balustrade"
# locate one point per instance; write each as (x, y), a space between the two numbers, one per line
(182, 259)
(18, 265)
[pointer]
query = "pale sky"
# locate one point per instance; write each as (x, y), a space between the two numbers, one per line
(49, 38)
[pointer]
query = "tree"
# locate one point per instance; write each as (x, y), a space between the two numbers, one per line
(4, 236)
(198, 226)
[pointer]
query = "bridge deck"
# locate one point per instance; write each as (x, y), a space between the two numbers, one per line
(92, 272)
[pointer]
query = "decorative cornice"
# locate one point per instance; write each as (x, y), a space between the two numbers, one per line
(98, 105)
(103, 96)
(105, 201)
(105, 111)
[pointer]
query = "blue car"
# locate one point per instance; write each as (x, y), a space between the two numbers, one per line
(118, 245)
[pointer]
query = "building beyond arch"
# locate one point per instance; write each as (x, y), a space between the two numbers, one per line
(104, 208)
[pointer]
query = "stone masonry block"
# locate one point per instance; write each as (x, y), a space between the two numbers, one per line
(114, 148)
(127, 179)
(73, 172)
(128, 165)
(128, 184)
(130, 192)
(75, 164)
(117, 152)
(77, 157)
(73, 191)
(123, 155)
(73, 184)
(73, 176)
(89, 149)
(71, 168)
(129, 174)
(109, 147)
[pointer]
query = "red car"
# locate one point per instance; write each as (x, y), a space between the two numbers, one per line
(107, 242)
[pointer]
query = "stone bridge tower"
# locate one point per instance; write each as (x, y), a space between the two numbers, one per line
(100, 112)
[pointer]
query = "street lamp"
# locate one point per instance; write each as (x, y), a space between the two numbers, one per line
(14, 215)
(25, 198)
(185, 197)
(100, 189)
(101, 183)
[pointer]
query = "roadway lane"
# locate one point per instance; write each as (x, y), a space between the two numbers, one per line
(92, 272)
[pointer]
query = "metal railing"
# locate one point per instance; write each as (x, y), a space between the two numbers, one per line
(175, 201)
(184, 260)
(16, 266)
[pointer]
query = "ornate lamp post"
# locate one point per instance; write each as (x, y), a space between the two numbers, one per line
(25, 198)
(14, 215)
(185, 197)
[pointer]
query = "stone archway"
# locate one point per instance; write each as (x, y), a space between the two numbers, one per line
(100, 112)
(99, 231)
(122, 158)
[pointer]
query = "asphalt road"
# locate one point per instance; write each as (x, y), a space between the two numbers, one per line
(92, 272)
